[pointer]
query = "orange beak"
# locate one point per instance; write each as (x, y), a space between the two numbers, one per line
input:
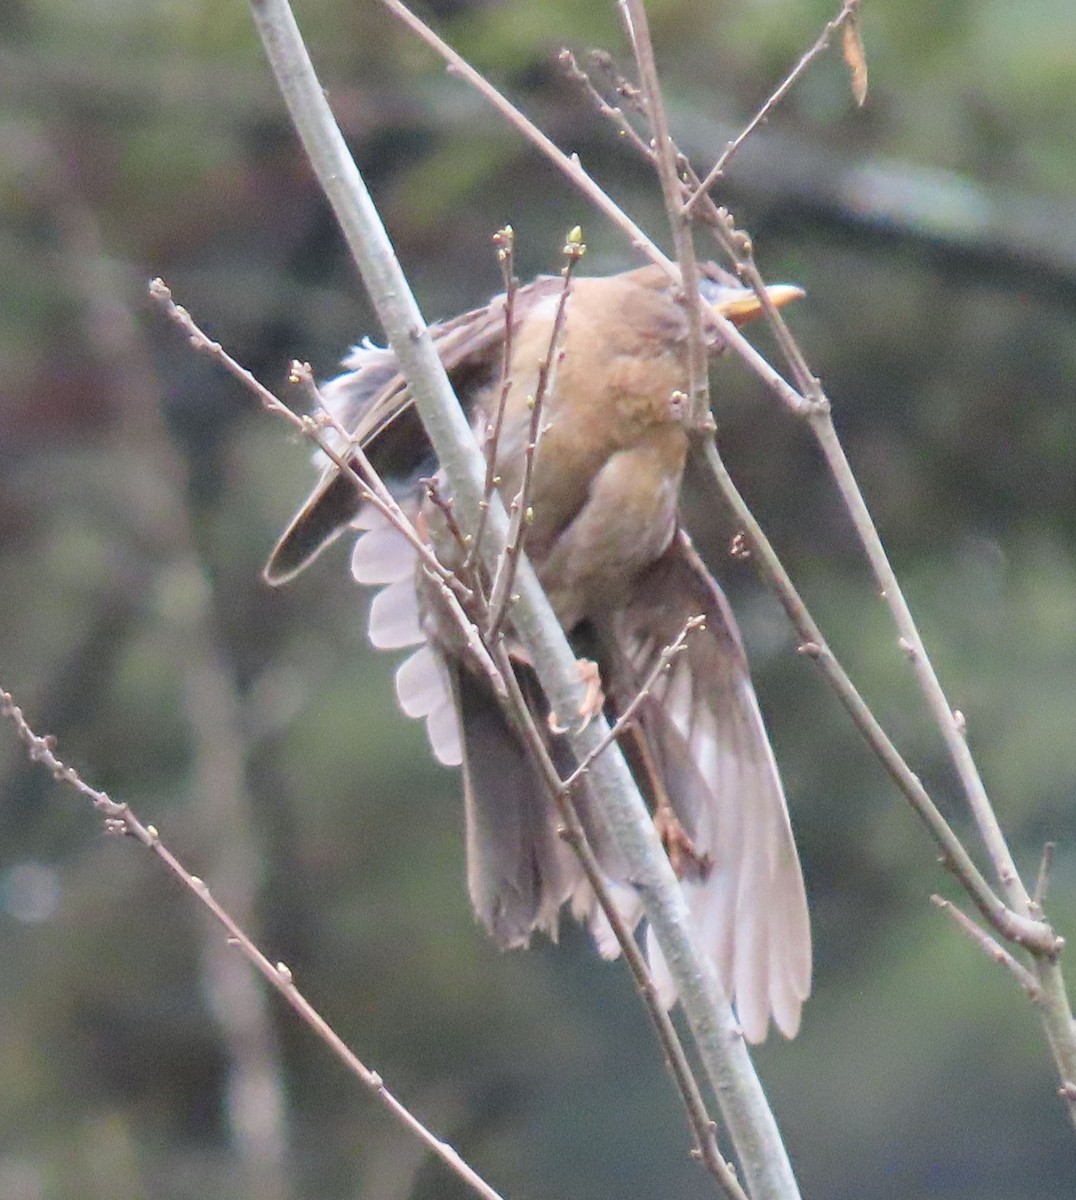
(740, 304)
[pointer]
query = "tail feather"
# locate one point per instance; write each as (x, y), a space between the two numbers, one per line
(748, 905)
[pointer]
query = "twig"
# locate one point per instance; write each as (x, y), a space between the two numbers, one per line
(625, 718)
(666, 158)
(504, 240)
(443, 504)
(708, 1012)
(310, 427)
(1042, 881)
(519, 511)
(848, 10)
(821, 423)
(1036, 936)
(568, 164)
(119, 819)
(990, 947)
(702, 1125)
(370, 487)
(611, 112)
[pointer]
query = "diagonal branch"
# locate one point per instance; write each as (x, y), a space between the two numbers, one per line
(847, 13)
(721, 1049)
(119, 819)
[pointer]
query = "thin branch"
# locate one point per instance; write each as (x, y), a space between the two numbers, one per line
(991, 947)
(848, 11)
(1042, 881)
(371, 489)
(568, 164)
(666, 161)
(702, 1125)
(1036, 936)
(119, 819)
(519, 511)
(504, 240)
(985, 817)
(626, 717)
(611, 112)
(311, 428)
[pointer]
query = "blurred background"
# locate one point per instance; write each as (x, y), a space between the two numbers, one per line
(141, 490)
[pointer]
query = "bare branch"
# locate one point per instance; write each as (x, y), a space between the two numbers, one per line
(504, 240)
(519, 510)
(626, 717)
(611, 112)
(119, 819)
(847, 13)
(568, 164)
(990, 947)
(666, 161)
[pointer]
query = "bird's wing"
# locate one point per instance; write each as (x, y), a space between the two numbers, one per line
(706, 734)
(519, 870)
(372, 402)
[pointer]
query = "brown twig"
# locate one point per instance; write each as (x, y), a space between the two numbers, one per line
(848, 11)
(991, 947)
(311, 428)
(702, 1124)
(568, 164)
(120, 819)
(666, 161)
(1036, 936)
(370, 487)
(625, 718)
(1042, 880)
(611, 112)
(504, 240)
(519, 510)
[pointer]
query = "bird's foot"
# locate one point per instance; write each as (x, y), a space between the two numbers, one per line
(593, 697)
(684, 857)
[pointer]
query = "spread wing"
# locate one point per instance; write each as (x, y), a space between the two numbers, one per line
(707, 736)
(371, 400)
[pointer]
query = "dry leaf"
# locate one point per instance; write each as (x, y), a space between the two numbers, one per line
(856, 58)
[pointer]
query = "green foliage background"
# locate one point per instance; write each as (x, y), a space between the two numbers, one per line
(934, 232)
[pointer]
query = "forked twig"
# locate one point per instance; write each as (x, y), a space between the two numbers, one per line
(667, 164)
(991, 947)
(625, 718)
(848, 11)
(120, 819)
(612, 112)
(519, 510)
(702, 1124)
(370, 487)
(504, 240)
(568, 164)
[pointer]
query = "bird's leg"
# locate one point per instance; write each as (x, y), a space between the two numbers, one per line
(683, 856)
(593, 696)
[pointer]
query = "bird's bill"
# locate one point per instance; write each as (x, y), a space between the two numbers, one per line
(741, 305)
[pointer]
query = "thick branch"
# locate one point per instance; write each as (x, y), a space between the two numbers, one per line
(717, 1036)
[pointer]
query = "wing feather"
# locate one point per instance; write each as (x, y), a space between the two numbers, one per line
(707, 733)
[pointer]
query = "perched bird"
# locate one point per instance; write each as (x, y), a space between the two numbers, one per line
(623, 579)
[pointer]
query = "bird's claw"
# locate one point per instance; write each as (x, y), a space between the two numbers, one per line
(676, 840)
(593, 697)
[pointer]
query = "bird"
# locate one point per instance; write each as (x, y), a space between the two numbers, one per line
(605, 537)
